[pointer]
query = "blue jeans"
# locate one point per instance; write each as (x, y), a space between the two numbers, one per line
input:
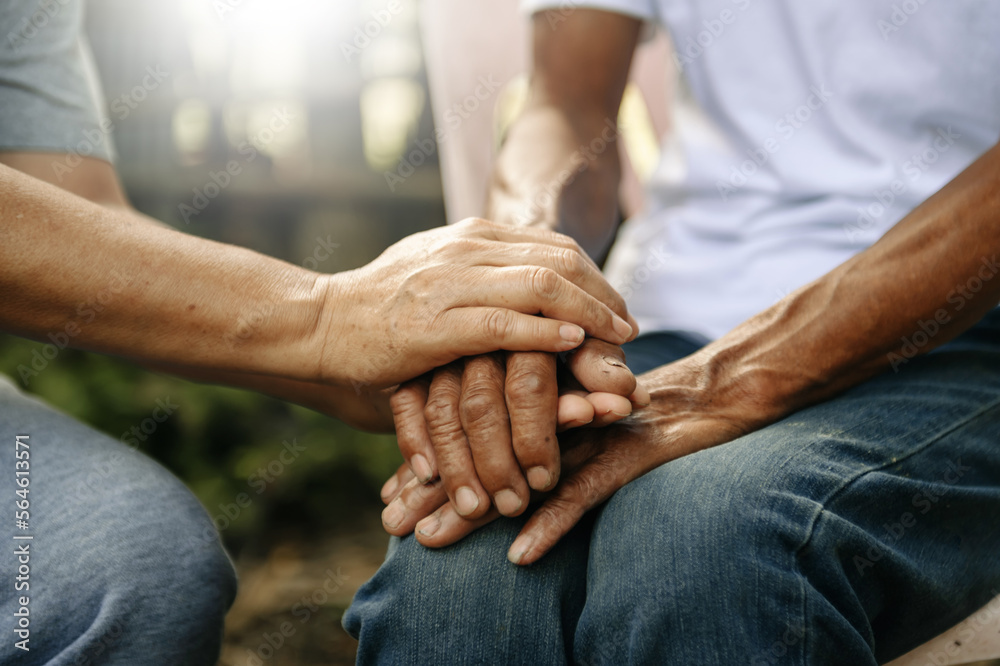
(125, 566)
(846, 533)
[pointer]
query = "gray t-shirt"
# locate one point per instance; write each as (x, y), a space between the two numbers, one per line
(50, 99)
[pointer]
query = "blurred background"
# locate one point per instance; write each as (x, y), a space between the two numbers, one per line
(302, 129)
(313, 116)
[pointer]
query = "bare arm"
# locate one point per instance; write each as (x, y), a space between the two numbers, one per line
(559, 167)
(935, 272)
(81, 262)
(488, 425)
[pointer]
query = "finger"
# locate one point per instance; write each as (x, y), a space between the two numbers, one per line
(444, 527)
(415, 501)
(579, 492)
(408, 403)
(640, 397)
(451, 447)
(532, 289)
(600, 367)
(574, 410)
(525, 246)
(532, 396)
(395, 484)
(488, 430)
(486, 229)
(608, 408)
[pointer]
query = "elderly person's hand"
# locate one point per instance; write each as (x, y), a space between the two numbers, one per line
(487, 425)
(686, 414)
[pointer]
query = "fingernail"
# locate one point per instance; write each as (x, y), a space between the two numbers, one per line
(621, 414)
(421, 468)
(621, 327)
(571, 333)
(539, 478)
(393, 514)
(389, 488)
(507, 502)
(633, 323)
(466, 501)
(579, 424)
(429, 525)
(612, 361)
(519, 549)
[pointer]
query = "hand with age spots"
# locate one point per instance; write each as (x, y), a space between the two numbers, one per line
(487, 425)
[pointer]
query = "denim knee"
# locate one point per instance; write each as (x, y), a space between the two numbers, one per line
(126, 566)
(160, 582)
(682, 555)
(466, 604)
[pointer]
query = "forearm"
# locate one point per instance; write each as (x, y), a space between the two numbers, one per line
(926, 281)
(110, 281)
(559, 167)
(359, 406)
(550, 175)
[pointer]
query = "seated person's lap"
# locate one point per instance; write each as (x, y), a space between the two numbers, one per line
(866, 520)
(125, 564)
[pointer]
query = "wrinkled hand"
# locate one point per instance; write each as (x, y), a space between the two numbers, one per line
(687, 414)
(467, 289)
(487, 425)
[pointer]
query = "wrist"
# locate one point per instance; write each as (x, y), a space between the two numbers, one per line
(282, 331)
(560, 173)
(329, 309)
(712, 383)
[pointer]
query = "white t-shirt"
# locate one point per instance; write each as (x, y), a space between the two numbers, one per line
(804, 131)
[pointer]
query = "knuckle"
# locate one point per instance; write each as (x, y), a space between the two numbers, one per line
(528, 384)
(480, 408)
(465, 246)
(570, 264)
(497, 324)
(441, 413)
(544, 282)
(586, 488)
(574, 246)
(403, 402)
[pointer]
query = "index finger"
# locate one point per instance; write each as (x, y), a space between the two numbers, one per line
(548, 248)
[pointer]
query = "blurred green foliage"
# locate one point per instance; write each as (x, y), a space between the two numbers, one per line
(226, 444)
